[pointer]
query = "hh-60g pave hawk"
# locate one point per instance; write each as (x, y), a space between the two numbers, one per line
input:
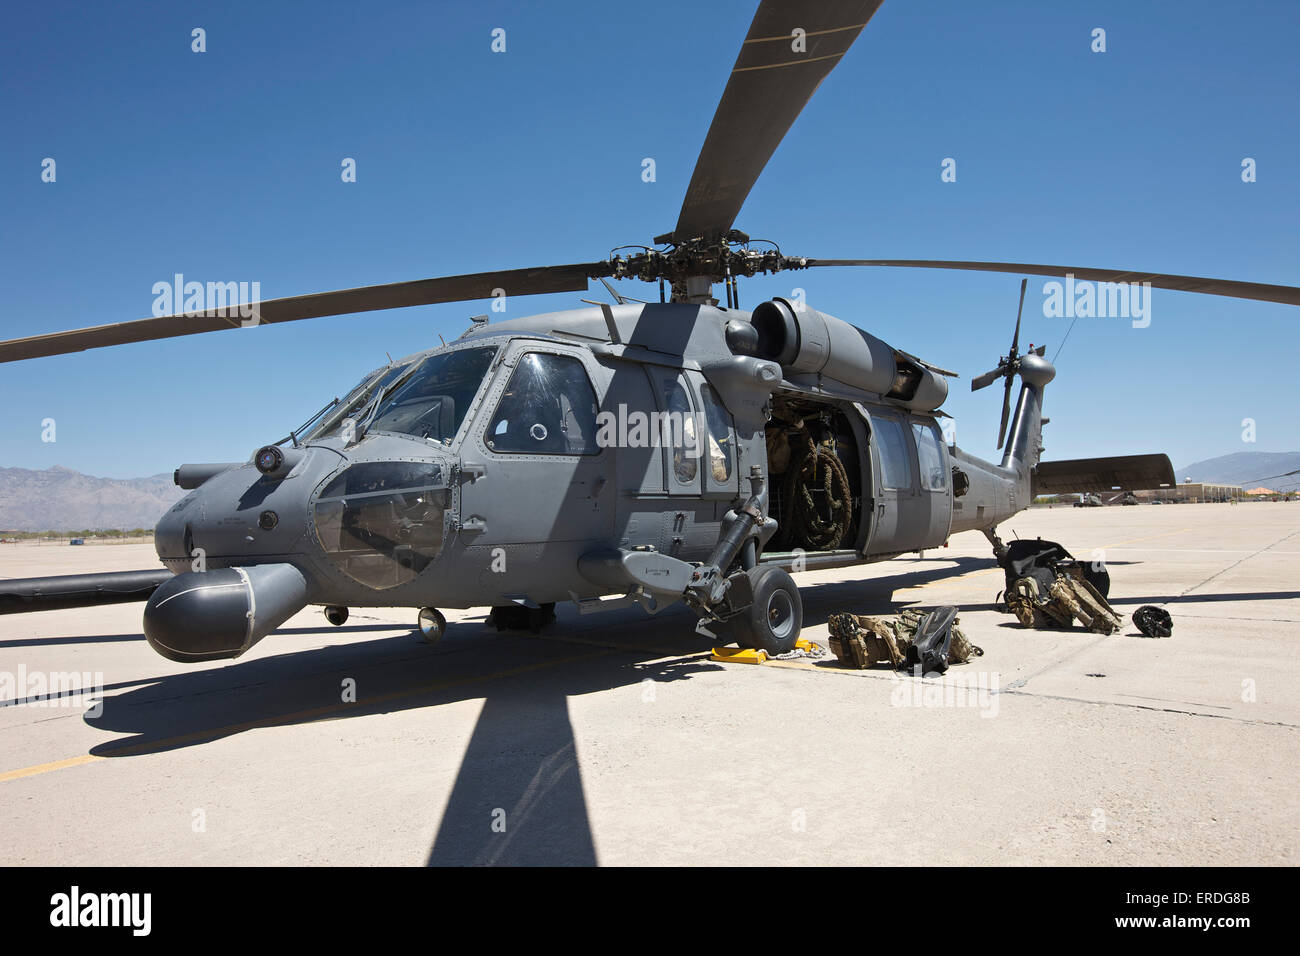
(518, 466)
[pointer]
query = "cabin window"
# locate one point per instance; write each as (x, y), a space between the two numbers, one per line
(548, 408)
(929, 455)
(891, 445)
(722, 453)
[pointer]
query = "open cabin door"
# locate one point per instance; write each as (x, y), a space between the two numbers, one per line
(913, 494)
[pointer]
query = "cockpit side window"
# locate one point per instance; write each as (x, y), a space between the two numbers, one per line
(548, 408)
(381, 522)
(721, 447)
(678, 431)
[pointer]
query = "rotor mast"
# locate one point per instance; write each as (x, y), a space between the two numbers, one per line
(697, 290)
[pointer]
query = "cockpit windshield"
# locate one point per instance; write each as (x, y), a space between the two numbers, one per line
(328, 420)
(433, 400)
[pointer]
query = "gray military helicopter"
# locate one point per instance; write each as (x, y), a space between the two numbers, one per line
(613, 455)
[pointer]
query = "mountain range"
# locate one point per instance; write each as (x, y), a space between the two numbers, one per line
(60, 499)
(1246, 468)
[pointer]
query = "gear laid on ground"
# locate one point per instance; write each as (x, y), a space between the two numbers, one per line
(861, 641)
(1153, 621)
(1048, 588)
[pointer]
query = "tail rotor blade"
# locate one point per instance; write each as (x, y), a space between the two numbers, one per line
(1015, 339)
(1006, 410)
(985, 380)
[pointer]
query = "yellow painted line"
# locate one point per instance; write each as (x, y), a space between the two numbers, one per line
(47, 767)
(880, 673)
(309, 714)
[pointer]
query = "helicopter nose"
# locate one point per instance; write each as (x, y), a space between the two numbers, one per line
(171, 536)
(242, 514)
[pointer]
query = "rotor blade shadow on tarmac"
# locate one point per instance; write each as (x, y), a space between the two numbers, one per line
(518, 797)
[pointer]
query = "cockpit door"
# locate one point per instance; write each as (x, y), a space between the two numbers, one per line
(546, 478)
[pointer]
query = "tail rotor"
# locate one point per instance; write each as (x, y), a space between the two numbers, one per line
(1007, 368)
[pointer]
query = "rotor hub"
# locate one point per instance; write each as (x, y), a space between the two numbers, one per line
(718, 260)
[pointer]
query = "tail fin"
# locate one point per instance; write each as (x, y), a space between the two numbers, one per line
(1026, 443)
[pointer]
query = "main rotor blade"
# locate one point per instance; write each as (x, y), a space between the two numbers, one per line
(776, 73)
(1285, 474)
(1260, 291)
(1006, 410)
(397, 295)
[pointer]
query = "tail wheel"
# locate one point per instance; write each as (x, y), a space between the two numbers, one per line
(773, 622)
(432, 625)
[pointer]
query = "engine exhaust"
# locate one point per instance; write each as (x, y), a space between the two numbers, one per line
(210, 615)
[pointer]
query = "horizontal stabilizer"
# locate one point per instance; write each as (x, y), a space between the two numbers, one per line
(1129, 472)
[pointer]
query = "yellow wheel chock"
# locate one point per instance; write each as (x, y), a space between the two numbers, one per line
(748, 655)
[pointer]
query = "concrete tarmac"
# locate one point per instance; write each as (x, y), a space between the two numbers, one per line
(614, 739)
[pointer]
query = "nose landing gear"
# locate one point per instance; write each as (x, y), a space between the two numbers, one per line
(773, 621)
(336, 615)
(431, 625)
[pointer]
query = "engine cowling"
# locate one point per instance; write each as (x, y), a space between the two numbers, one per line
(804, 341)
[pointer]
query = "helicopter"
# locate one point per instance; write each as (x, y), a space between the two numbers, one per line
(646, 454)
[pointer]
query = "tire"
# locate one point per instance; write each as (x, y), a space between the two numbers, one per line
(773, 622)
(431, 624)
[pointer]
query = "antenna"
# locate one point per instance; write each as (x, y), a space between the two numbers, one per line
(619, 297)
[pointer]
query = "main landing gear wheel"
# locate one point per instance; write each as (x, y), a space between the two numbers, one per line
(336, 615)
(773, 622)
(432, 625)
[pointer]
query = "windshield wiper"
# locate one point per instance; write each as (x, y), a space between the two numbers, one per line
(371, 409)
(293, 435)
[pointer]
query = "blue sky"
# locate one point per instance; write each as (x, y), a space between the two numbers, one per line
(225, 166)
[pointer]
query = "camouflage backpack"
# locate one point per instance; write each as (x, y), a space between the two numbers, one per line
(1068, 597)
(860, 641)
